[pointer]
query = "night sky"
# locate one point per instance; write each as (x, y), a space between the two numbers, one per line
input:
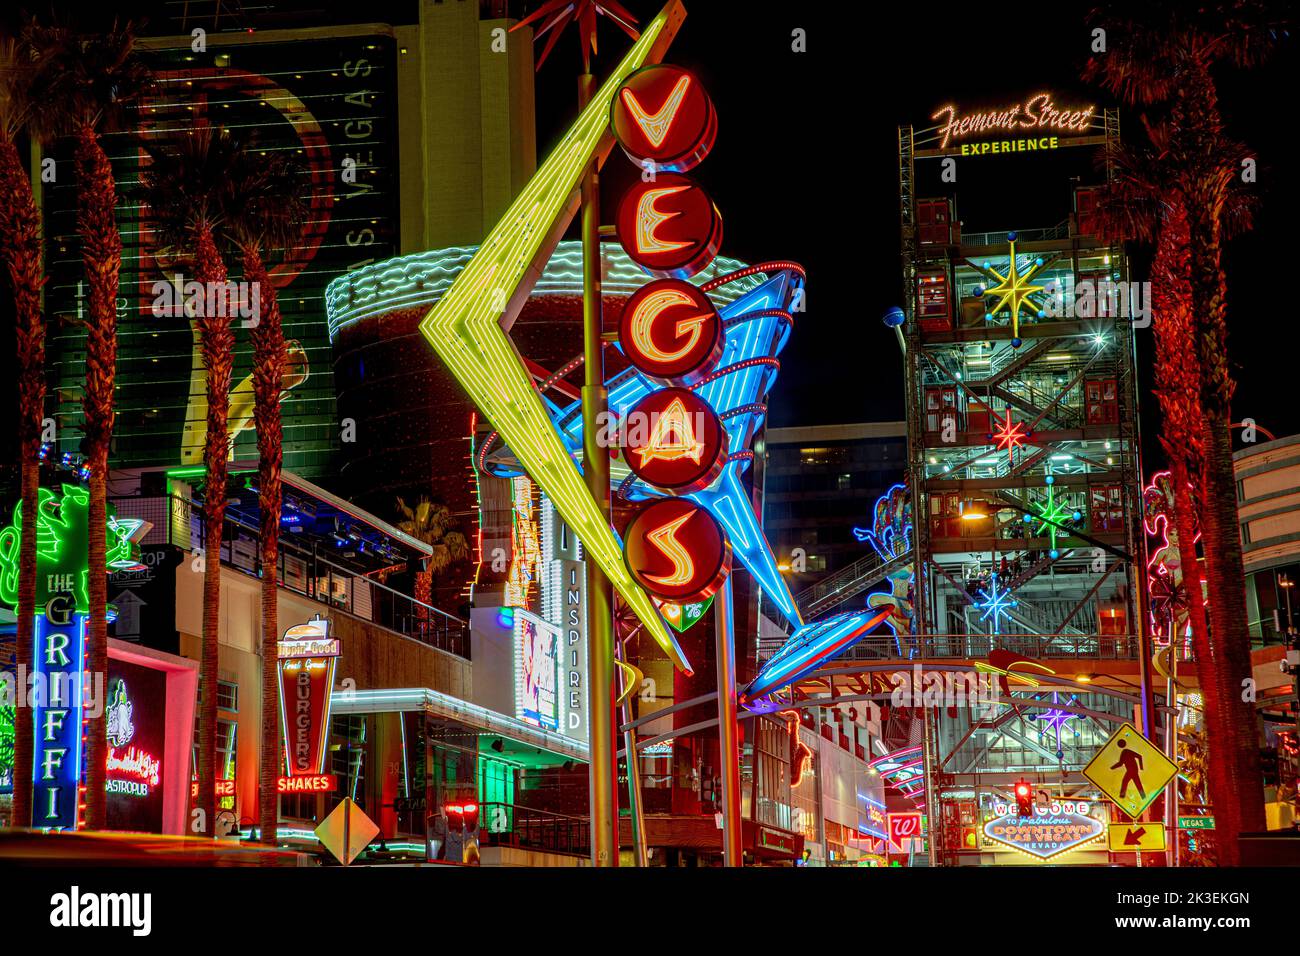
(805, 165)
(805, 168)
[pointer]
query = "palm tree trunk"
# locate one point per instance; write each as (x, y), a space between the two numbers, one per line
(1177, 389)
(20, 245)
(101, 254)
(1238, 758)
(218, 342)
(268, 377)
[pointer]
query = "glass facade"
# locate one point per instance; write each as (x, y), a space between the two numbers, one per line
(815, 492)
(331, 104)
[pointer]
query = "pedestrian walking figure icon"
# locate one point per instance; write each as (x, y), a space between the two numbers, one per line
(1130, 770)
(1131, 762)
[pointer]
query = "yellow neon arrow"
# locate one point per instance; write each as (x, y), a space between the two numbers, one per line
(465, 326)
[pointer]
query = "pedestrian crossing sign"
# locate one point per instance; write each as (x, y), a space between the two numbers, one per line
(1130, 770)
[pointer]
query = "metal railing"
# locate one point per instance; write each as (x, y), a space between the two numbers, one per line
(847, 583)
(1060, 231)
(179, 521)
(524, 828)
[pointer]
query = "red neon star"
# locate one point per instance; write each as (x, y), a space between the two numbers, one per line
(1010, 434)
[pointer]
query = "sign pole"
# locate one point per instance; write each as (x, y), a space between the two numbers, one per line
(1171, 751)
(728, 736)
(600, 607)
(635, 805)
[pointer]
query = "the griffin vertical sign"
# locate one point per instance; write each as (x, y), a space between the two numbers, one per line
(56, 717)
(307, 659)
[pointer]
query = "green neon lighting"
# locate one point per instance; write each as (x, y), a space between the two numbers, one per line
(62, 546)
(464, 328)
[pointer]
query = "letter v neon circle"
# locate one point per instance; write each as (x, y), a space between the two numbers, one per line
(466, 329)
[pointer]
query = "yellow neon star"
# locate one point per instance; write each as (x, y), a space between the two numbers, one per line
(466, 329)
(1014, 289)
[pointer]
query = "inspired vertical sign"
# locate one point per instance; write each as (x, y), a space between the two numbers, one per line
(57, 712)
(573, 575)
(307, 657)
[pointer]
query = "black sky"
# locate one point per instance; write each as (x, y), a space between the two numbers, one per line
(805, 167)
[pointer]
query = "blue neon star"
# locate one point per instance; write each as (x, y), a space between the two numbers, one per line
(996, 604)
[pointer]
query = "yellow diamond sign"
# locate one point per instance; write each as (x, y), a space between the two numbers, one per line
(346, 831)
(1130, 770)
(1132, 837)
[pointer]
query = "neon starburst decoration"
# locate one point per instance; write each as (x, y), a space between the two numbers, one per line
(555, 15)
(995, 604)
(1052, 719)
(1015, 289)
(1052, 516)
(1009, 435)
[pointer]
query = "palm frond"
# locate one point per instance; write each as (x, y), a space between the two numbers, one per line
(268, 199)
(84, 79)
(188, 182)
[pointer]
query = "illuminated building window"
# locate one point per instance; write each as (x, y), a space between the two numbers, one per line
(228, 696)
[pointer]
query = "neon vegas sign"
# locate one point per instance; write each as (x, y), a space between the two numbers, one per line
(1037, 115)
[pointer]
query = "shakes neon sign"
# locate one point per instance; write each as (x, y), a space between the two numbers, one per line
(1039, 118)
(307, 658)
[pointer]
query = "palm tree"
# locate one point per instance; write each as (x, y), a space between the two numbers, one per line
(20, 246)
(84, 82)
(433, 524)
(1162, 56)
(1142, 201)
(266, 212)
(187, 187)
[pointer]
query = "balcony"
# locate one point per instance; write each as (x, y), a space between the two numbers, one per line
(346, 584)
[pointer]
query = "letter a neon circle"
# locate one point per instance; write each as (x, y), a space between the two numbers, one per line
(674, 441)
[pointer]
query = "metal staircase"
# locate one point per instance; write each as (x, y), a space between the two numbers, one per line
(848, 583)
